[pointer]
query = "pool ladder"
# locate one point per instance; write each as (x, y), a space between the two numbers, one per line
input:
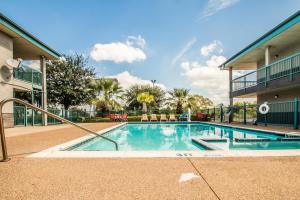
(19, 101)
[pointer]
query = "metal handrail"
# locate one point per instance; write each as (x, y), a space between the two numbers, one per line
(233, 80)
(2, 134)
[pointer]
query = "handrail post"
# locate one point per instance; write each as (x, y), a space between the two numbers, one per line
(245, 83)
(221, 113)
(245, 113)
(266, 76)
(296, 105)
(291, 68)
(3, 141)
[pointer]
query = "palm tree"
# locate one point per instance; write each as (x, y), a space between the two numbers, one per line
(145, 98)
(133, 91)
(179, 98)
(109, 92)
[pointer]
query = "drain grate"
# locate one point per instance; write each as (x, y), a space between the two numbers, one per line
(184, 154)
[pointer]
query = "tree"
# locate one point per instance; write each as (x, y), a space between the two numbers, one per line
(108, 93)
(145, 98)
(197, 102)
(131, 94)
(179, 97)
(68, 81)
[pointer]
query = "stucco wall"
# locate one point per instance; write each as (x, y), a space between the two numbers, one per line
(6, 91)
(283, 95)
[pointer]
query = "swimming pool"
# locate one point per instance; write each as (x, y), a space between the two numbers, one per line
(187, 137)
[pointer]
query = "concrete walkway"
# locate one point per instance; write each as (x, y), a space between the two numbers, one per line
(143, 178)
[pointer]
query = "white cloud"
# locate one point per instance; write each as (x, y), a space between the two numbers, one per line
(136, 40)
(213, 47)
(208, 77)
(181, 53)
(126, 80)
(118, 52)
(214, 6)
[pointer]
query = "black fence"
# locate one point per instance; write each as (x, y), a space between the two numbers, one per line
(280, 113)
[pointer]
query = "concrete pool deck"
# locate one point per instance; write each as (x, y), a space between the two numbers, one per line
(138, 178)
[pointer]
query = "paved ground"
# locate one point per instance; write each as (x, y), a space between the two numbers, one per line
(145, 178)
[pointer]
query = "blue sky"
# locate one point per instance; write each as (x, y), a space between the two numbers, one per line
(176, 42)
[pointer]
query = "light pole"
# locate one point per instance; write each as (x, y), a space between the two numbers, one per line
(153, 82)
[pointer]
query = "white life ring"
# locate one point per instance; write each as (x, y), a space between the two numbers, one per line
(264, 108)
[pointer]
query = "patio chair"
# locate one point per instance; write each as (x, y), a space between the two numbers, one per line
(183, 116)
(163, 117)
(201, 116)
(144, 118)
(153, 118)
(118, 117)
(172, 118)
(124, 117)
(112, 117)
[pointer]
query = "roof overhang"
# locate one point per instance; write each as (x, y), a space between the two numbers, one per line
(282, 36)
(26, 46)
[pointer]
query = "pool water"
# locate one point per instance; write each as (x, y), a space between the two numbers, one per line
(178, 136)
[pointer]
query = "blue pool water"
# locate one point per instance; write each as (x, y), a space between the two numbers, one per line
(178, 136)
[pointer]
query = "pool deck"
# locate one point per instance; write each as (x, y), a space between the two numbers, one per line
(137, 178)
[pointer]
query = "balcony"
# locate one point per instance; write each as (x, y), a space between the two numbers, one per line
(286, 68)
(28, 74)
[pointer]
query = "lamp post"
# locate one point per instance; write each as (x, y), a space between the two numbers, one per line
(153, 82)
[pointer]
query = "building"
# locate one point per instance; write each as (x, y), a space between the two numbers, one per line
(23, 82)
(274, 64)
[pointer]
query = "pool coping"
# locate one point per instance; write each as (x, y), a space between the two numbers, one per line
(60, 151)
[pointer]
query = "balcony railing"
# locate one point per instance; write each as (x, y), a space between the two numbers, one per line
(28, 75)
(245, 81)
(286, 67)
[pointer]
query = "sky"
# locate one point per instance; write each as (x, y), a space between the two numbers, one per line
(178, 43)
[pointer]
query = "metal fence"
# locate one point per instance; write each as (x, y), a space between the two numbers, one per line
(25, 116)
(281, 113)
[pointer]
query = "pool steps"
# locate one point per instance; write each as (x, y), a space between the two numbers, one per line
(214, 139)
(252, 139)
(289, 139)
(206, 145)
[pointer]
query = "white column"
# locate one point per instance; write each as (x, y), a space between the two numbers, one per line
(44, 88)
(267, 55)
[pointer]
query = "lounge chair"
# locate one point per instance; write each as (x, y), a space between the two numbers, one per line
(153, 118)
(144, 118)
(118, 117)
(124, 117)
(183, 116)
(172, 118)
(201, 116)
(163, 117)
(112, 117)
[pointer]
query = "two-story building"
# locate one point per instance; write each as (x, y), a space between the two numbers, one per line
(271, 65)
(21, 81)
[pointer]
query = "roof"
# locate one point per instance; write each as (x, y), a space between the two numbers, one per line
(17, 32)
(292, 20)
